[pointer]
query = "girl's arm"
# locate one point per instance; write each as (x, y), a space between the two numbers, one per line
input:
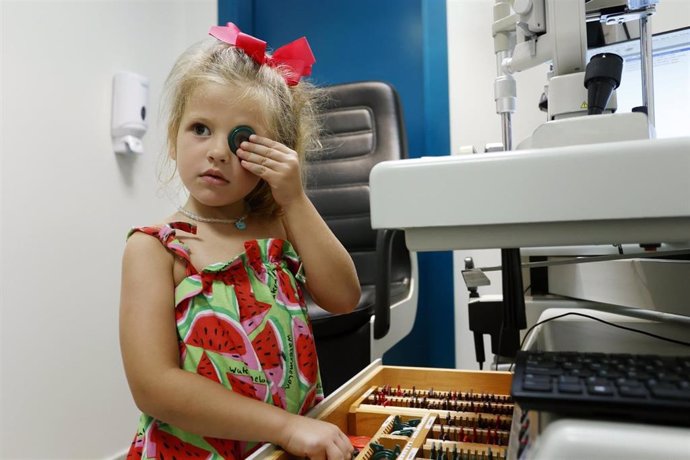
(331, 275)
(149, 344)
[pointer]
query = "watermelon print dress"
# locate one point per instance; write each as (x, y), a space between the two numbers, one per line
(244, 324)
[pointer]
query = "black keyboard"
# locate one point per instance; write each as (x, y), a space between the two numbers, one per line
(643, 388)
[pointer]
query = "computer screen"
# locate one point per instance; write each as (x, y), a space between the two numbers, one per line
(671, 51)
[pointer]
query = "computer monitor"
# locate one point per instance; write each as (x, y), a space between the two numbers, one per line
(671, 51)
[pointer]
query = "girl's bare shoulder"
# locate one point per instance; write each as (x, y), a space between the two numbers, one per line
(145, 246)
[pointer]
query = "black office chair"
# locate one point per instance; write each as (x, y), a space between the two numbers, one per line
(364, 126)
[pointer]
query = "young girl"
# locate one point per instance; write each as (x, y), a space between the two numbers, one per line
(215, 339)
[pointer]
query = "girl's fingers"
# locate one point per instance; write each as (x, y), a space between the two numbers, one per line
(259, 170)
(268, 147)
(268, 158)
(344, 445)
(270, 144)
(265, 160)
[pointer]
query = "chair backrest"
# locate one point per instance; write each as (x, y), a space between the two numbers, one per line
(364, 125)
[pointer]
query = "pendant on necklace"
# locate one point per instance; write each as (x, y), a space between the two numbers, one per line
(240, 224)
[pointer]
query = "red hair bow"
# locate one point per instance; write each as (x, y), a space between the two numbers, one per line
(295, 56)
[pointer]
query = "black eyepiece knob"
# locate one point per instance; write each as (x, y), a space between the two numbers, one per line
(602, 76)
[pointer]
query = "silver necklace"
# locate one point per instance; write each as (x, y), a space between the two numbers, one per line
(239, 223)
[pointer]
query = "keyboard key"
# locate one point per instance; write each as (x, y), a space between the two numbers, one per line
(580, 372)
(537, 385)
(628, 382)
(570, 388)
(541, 370)
(597, 381)
(572, 365)
(669, 391)
(669, 377)
(600, 389)
(569, 380)
(609, 373)
(633, 391)
(639, 375)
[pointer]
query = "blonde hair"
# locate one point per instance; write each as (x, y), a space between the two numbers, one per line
(291, 112)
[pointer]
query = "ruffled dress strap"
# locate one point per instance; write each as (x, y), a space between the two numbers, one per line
(167, 235)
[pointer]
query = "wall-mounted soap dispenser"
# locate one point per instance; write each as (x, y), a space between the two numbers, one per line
(128, 124)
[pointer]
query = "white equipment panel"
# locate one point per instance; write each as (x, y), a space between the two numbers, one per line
(617, 192)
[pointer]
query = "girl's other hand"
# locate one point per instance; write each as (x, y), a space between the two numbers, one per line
(315, 439)
(275, 163)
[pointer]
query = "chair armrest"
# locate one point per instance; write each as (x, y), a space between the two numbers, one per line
(382, 299)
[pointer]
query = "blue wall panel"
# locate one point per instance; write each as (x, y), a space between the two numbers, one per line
(350, 44)
(402, 42)
(240, 12)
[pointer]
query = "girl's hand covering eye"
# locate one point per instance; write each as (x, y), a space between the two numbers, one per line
(275, 163)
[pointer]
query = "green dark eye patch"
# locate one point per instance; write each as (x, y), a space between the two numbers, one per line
(237, 136)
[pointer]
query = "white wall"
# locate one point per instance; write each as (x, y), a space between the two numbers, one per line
(67, 203)
(471, 68)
